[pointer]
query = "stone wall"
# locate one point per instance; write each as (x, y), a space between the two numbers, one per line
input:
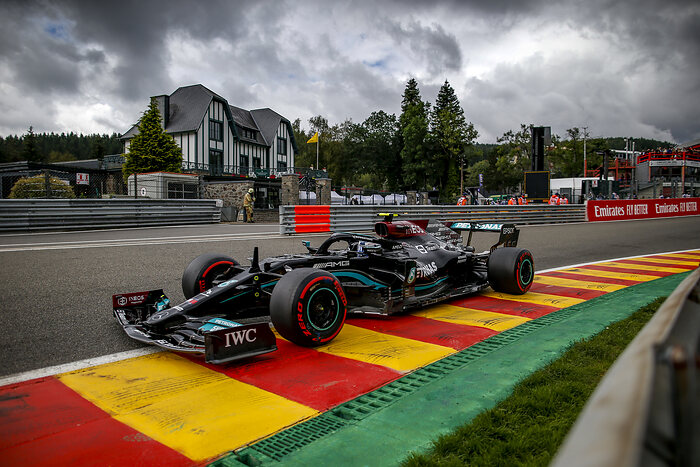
(231, 193)
(289, 193)
(323, 191)
(267, 216)
(411, 197)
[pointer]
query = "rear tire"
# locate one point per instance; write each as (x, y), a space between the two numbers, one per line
(202, 271)
(511, 270)
(308, 307)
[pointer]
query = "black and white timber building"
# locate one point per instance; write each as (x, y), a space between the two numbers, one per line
(220, 139)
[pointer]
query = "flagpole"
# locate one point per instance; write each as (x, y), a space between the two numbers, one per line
(317, 167)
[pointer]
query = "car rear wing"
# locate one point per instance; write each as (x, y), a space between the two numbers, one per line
(449, 231)
(508, 232)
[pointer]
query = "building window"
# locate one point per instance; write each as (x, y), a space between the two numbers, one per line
(282, 166)
(216, 130)
(282, 146)
(243, 170)
(256, 162)
(182, 190)
(248, 134)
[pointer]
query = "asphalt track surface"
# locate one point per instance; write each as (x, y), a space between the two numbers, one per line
(56, 288)
(129, 392)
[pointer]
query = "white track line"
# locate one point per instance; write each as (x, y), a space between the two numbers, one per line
(81, 364)
(141, 241)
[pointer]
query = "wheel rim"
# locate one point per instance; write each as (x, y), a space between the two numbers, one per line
(212, 273)
(322, 310)
(525, 272)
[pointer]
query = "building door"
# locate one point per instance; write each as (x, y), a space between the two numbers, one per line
(243, 170)
(216, 162)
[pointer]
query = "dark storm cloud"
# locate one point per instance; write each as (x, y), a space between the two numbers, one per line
(36, 58)
(347, 60)
(659, 30)
(40, 39)
(642, 81)
(349, 93)
(136, 33)
(562, 94)
(58, 53)
(493, 8)
(433, 45)
(662, 41)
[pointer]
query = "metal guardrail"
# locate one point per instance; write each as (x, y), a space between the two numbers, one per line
(646, 411)
(363, 217)
(24, 215)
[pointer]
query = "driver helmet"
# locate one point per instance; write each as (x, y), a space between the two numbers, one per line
(250, 190)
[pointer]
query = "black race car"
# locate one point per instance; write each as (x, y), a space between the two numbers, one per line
(406, 265)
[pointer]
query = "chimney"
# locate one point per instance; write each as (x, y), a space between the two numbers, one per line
(163, 103)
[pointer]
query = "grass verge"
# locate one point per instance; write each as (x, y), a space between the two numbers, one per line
(528, 427)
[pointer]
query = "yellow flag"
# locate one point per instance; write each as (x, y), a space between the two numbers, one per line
(313, 139)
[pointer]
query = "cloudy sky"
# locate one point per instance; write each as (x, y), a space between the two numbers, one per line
(618, 67)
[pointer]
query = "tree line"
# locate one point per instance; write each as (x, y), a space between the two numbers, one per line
(52, 147)
(432, 147)
(423, 148)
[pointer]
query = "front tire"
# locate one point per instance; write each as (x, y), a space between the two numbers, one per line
(308, 307)
(511, 270)
(201, 272)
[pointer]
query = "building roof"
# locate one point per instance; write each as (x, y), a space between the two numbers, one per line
(187, 107)
(268, 122)
(245, 120)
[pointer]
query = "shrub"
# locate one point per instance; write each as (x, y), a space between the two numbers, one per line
(35, 187)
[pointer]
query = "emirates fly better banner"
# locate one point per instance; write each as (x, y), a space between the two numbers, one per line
(615, 210)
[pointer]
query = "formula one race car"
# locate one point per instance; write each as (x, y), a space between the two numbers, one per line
(406, 265)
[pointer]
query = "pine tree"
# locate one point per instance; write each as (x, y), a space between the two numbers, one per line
(30, 151)
(152, 150)
(450, 134)
(411, 95)
(413, 133)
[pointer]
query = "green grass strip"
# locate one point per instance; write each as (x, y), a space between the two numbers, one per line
(528, 427)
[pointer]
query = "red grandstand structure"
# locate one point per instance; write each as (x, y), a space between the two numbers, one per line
(677, 169)
(620, 168)
(669, 172)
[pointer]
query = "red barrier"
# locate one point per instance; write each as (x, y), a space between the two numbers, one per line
(615, 210)
(312, 218)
